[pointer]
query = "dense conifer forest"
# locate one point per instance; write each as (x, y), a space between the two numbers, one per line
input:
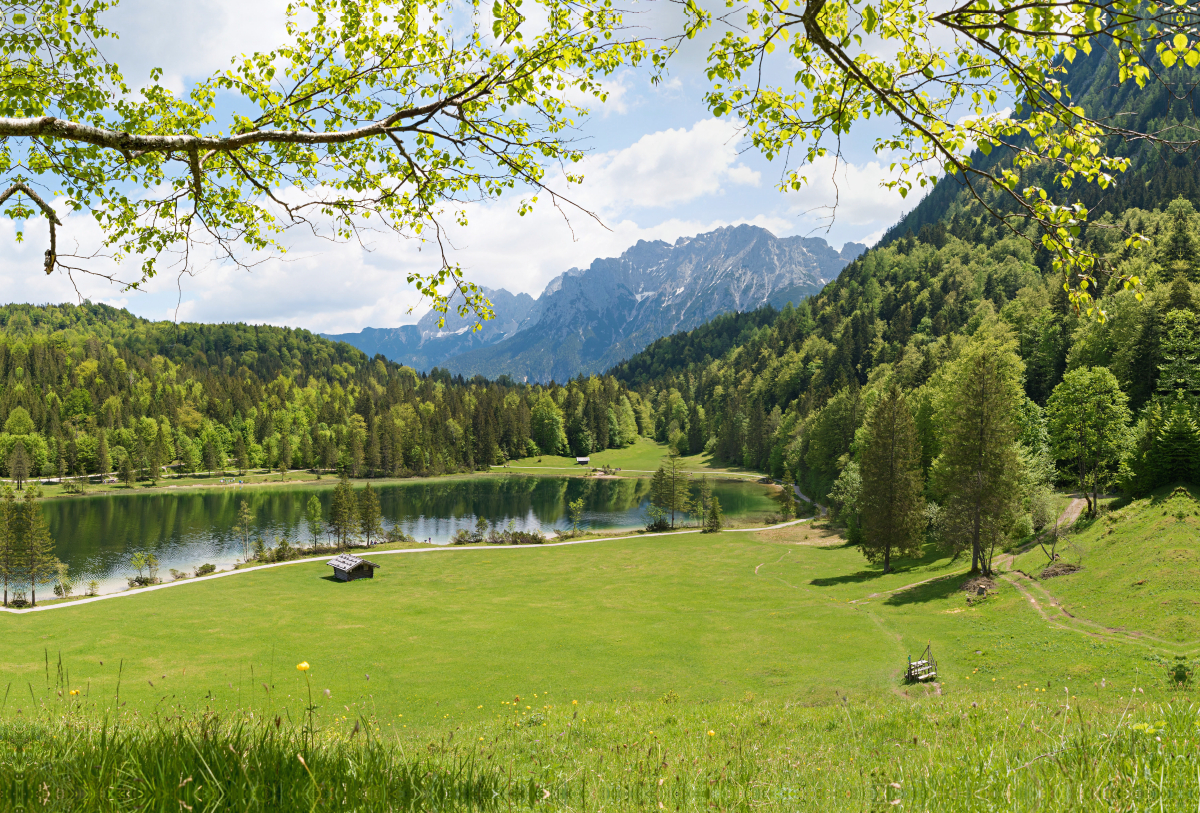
(794, 396)
(92, 389)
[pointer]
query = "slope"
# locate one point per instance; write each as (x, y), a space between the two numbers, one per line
(1138, 568)
(1156, 175)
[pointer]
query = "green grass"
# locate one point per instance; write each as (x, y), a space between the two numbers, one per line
(1016, 751)
(643, 456)
(790, 615)
(487, 678)
(1140, 568)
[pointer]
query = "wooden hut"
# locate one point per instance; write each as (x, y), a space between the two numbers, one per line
(347, 567)
(582, 461)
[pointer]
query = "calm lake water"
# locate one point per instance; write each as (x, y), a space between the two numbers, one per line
(97, 535)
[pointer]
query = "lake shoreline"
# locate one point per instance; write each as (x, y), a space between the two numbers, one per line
(54, 604)
(330, 480)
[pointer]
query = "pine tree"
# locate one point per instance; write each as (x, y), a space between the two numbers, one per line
(103, 457)
(127, 474)
(285, 455)
(977, 470)
(315, 517)
(713, 519)
(18, 464)
(140, 458)
(670, 488)
(154, 456)
(893, 509)
(40, 563)
(370, 520)
(239, 453)
(9, 542)
(343, 510)
(306, 451)
(243, 528)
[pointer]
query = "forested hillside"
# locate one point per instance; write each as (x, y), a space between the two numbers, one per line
(1155, 177)
(796, 395)
(91, 389)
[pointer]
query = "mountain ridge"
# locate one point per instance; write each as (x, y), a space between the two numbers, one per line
(586, 320)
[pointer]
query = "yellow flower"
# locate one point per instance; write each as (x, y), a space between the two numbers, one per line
(303, 666)
(574, 702)
(74, 692)
(712, 733)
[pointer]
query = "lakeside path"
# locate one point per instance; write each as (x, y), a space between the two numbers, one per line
(445, 549)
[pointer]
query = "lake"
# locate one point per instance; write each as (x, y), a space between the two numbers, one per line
(97, 535)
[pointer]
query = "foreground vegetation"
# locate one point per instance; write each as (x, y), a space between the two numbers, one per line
(1021, 750)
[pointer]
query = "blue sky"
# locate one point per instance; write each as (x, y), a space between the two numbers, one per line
(660, 167)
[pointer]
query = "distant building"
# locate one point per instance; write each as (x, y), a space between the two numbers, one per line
(348, 567)
(583, 461)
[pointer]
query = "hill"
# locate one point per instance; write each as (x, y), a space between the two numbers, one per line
(92, 389)
(1155, 177)
(1138, 568)
(588, 319)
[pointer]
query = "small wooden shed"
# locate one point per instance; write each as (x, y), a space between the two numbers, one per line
(582, 461)
(347, 567)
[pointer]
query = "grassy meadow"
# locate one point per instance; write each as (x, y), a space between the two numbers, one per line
(733, 671)
(643, 457)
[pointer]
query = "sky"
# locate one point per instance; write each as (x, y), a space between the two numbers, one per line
(659, 167)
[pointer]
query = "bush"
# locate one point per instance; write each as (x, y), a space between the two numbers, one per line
(205, 569)
(1022, 528)
(177, 574)
(656, 519)
(462, 537)
(396, 536)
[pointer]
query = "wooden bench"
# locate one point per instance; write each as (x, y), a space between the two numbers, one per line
(923, 669)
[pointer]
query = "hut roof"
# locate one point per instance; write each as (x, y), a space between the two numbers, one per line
(348, 561)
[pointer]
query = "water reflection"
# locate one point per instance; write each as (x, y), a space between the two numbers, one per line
(97, 535)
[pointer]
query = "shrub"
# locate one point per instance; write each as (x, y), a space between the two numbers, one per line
(178, 574)
(462, 537)
(1023, 527)
(656, 519)
(397, 536)
(205, 569)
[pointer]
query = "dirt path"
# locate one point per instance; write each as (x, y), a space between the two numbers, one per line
(1048, 606)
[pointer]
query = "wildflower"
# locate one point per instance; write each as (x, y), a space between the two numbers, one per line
(302, 666)
(712, 733)
(574, 702)
(74, 692)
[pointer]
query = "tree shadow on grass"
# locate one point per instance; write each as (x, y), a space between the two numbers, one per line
(941, 588)
(850, 578)
(929, 555)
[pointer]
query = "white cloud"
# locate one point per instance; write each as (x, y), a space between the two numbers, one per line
(853, 194)
(668, 167)
(190, 39)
